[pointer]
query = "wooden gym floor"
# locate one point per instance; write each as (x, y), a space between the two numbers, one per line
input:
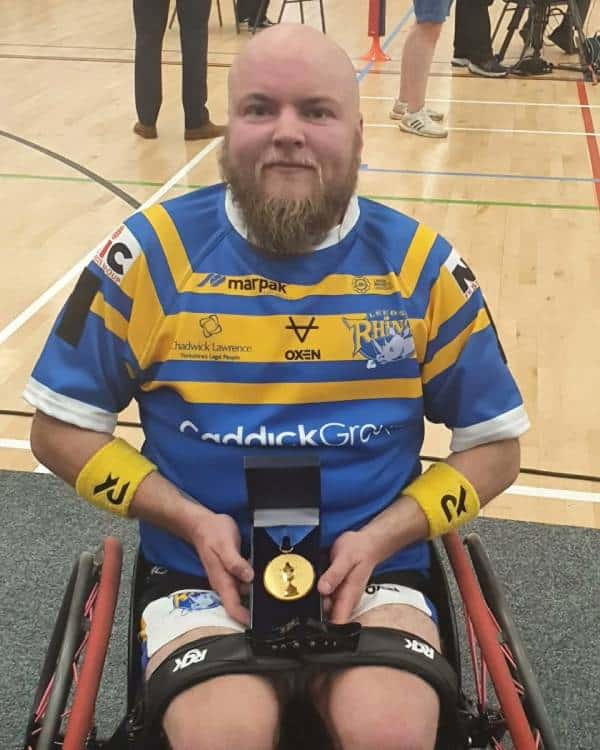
(516, 188)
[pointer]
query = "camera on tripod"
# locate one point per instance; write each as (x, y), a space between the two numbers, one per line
(569, 35)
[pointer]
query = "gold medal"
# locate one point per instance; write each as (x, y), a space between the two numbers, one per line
(289, 577)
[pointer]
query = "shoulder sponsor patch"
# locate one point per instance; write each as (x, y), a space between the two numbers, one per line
(118, 253)
(464, 277)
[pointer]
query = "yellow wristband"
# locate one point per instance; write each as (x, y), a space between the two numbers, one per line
(446, 497)
(112, 475)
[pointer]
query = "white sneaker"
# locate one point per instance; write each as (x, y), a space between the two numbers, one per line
(401, 108)
(420, 123)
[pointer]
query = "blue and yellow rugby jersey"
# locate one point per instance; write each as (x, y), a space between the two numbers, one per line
(341, 352)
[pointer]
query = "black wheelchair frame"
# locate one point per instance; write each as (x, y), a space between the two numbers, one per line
(63, 713)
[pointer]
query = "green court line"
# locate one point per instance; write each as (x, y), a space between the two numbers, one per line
(398, 198)
(456, 201)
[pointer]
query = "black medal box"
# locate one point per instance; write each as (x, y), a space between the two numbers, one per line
(284, 492)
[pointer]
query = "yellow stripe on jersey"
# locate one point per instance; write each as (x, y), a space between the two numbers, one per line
(146, 311)
(291, 393)
(448, 354)
(277, 338)
(254, 285)
(416, 256)
(170, 241)
(257, 286)
(419, 334)
(445, 300)
(113, 320)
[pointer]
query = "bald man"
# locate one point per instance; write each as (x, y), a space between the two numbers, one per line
(278, 313)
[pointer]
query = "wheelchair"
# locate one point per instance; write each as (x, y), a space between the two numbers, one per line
(506, 711)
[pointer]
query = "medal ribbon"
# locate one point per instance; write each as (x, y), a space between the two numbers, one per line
(289, 526)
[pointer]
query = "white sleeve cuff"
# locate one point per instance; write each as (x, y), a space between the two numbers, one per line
(69, 409)
(511, 424)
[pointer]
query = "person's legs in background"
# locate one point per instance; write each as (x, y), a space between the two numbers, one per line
(193, 30)
(243, 8)
(248, 10)
(417, 56)
(150, 19)
(473, 41)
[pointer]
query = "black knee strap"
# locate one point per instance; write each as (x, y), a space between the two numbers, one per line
(388, 647)
(199, 660)
(215, 656)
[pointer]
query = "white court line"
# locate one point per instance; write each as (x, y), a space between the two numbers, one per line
(44, 298)
(22, 445)
(515, 489)
(580, 497)
(511, 131)
(499, 103)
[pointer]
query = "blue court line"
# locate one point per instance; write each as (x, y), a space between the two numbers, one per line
(489, 175)
(397, 29)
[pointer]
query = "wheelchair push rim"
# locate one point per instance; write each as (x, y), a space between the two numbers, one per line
(76, 653)
(491, 588)
(497, 661)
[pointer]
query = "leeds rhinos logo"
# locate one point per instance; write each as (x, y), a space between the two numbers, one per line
(199, 600)
(381, 337)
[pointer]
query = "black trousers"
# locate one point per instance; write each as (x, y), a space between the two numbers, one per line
(472, 30)
(150, 18)
(248, 9)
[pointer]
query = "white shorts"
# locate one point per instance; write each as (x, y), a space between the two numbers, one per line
(170, 616)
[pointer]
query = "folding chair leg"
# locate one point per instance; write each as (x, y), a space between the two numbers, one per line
(578, 19)
(499, 23)
(512, 27)
(235, 16)
(322, 16)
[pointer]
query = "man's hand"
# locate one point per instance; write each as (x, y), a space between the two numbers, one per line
(353, 558)
(217, 541)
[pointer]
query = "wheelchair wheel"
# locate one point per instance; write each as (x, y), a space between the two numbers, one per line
(491, 659)
(519, 665)
(76, 654)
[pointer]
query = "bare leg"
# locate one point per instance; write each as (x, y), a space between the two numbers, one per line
(225, 712)
(236, 710)
(381, 707)
(417, 57)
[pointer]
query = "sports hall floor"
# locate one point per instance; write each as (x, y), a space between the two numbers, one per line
(515, 187)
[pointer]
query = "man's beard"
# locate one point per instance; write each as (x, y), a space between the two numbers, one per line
(283, 226)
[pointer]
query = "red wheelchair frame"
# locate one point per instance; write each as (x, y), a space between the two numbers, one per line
(72, 670)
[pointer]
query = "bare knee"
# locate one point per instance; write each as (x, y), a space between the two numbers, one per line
(379, 707)
(224, 713)
(383, 734)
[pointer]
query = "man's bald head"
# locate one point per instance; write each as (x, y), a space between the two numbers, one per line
(309, 50)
